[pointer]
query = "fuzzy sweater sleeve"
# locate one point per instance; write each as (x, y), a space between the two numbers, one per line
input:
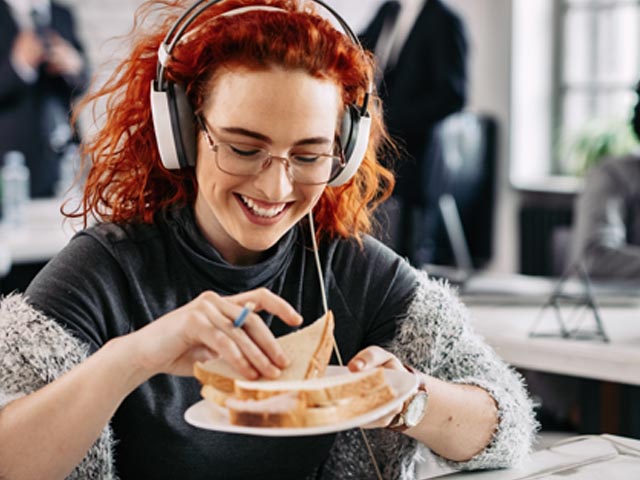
(434, 336)
(34, 351)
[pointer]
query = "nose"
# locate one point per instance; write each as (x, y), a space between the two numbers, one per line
(274, 181)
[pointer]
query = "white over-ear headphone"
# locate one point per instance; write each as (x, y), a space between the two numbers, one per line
(175, 124)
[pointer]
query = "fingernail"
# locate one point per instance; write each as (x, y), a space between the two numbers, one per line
(252, 375)
(274, 372)
(359, 364)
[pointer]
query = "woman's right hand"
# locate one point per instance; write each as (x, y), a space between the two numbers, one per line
(203, 329)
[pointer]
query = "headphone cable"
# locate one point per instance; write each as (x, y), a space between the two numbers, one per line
(325, 305)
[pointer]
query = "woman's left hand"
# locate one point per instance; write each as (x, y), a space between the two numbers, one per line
(373, 357)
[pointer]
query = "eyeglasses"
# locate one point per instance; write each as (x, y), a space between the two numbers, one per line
(305, 167)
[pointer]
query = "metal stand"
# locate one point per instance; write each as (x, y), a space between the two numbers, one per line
(569, 327)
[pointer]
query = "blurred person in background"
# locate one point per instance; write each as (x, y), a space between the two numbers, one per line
(42, 69)
(421, 48)
(607, 225)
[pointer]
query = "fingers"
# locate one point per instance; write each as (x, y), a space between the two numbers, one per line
(252, 349)
(230, 343)
(256, 341)
(219, 342)
(62, 57)
(372, 357)
(28, 49)
(205, 327)
(64, 60)
(270, 302)
(255, 330)
(56, 40)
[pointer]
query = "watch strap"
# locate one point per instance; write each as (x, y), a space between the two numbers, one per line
(398, 423)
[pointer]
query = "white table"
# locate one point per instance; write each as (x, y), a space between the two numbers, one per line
(594, 457)
(44, 233)
(506, 329)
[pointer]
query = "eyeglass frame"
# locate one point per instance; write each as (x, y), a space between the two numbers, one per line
(213, 146)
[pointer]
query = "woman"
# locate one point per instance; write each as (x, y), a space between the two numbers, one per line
(158, 283)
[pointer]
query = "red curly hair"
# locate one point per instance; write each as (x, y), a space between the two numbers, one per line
(127, 181)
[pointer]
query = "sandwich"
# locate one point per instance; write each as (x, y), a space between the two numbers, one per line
(302, 396)
(309, 350)
(307, 403)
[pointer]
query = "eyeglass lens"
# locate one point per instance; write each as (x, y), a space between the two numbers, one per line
(302, 167)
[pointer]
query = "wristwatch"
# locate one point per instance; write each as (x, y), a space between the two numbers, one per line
(414, 407)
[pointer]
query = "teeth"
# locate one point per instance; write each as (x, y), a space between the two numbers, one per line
(260, 211)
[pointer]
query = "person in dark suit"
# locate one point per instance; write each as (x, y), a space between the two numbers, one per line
(422, 51)
(42, 68)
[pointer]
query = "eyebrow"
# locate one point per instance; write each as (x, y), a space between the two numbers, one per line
(263, 138)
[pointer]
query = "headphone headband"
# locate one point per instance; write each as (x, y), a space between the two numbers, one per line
(174, 121)
(194, 11)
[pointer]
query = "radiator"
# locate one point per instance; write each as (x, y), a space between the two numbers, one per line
(537, 224)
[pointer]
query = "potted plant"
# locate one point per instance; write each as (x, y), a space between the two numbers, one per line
(597, 140)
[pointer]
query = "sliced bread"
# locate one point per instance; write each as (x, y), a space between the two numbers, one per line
(319, 391)
(348, 408)
(292, 409)
(308, 349)
(285, 410)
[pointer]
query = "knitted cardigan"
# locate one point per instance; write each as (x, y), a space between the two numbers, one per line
(434, 337)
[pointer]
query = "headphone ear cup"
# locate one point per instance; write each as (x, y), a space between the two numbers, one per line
(354, 135)
(174, 126)
(348, 130)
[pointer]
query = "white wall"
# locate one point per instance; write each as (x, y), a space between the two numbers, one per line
(99, 21)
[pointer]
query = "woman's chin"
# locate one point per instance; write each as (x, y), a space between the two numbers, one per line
(257, 246)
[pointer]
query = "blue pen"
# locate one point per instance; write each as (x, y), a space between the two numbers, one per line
(246, 310)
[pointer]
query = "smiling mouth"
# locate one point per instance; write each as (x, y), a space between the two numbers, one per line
(262, 211)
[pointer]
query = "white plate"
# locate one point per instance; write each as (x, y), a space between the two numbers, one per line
(209, 416)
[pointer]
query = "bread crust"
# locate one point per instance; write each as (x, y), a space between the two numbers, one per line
(266, 420)
(322, 355)
(219, 382)
(347, 385)
(248, 413)
(213, 395)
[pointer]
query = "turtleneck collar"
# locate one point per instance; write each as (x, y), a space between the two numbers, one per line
(208, 263)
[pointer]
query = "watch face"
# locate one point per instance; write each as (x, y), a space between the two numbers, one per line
(416, 409)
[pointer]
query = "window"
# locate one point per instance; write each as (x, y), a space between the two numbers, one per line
(575, 63)
(599, 64)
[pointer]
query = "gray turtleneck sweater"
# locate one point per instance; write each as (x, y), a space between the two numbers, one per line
(112, 279)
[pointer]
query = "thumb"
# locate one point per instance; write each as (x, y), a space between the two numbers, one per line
(202, 354)
(357, 363)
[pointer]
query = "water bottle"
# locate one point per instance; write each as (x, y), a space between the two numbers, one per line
(67, 170)
(15, 189)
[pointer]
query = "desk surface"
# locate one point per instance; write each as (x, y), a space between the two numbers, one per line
(506, 329)
(44, 233)
(590, 457)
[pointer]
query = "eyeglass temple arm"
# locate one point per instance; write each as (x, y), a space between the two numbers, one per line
(205, 130)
